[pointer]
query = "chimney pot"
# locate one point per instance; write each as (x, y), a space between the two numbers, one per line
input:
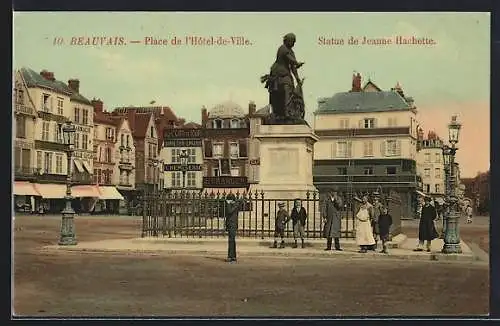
(74, 84)
(98, 105)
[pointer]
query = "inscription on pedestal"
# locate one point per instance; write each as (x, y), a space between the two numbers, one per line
(284, 162)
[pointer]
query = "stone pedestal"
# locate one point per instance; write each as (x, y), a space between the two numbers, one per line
(286, 160)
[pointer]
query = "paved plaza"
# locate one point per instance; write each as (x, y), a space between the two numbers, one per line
(141, 277)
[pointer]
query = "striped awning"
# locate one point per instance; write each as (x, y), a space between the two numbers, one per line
(85, 191)
(109, 192)
(51, 190)
(87, 167)
(78, 165)
(24, 188)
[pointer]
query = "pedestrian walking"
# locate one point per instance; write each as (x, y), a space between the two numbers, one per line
(364, 233)
(233, 207)
(333, 218)
(377, 206)
(282, 219)
(468, 212)
(299, 218)
(384, 226)
(426, 229)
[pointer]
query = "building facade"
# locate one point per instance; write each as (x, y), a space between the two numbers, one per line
(430, 165)
(177, 141)
(225, 148)
(367, 142)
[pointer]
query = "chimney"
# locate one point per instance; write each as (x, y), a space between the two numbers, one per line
(74, 84)
(131, 118)
(204, 116)
(252, 108)
(356, 82)
(47, 75)
(98, 105)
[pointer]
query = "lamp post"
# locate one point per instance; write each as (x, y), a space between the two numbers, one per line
(451, 236)
(183, 156)
(446, 163)
(67, 234)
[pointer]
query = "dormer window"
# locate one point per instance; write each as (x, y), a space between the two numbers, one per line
(217, 124)
(151, 132)
(235, 123)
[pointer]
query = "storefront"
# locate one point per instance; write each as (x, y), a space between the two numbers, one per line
(25, 196)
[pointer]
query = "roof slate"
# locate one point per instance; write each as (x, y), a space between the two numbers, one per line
(34, 79)
(362, 102)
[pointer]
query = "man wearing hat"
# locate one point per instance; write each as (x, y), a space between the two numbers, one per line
(426, 229)
(232, 210)
(332, 215)
(279, 226)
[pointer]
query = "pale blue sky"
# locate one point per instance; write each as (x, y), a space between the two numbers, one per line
(454, 72)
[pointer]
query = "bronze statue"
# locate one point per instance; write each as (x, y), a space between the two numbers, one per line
(286, 99)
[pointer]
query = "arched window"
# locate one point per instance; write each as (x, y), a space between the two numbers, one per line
(217, 124)
(128, 139)
(235, 123)
(122, 140)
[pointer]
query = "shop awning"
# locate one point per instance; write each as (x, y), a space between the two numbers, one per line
(78, 165)
(221, 191)
(24, 188)
(87, 167)
(50, 190)
(109, 192)
(85, 191)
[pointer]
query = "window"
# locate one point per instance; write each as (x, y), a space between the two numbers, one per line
(342, 171)
(427, 188)
(85, 141)
(20, 96)
(217, 150)
(369, 123)
(438, 157)
(122, 140)
(174, 157)
(48, 162)
(427, 172)
(368, 170)
(368, 148)
(391, 170)
(95, 132)
(108, 155)
(191, 179)
(191, 155)
(438, 188)
(217, 124)
(39, 160)
(215, 172)
(344, 123)
(46, 103)
(45, 130)
(85, 116)
(391, 148)
(77, 140)
(21, 126)
(342, 149)
(235, 123)
(77, 115)
(59, 159)
(58, 133)
(60, 106)
(176, 179)
(235, 171)
(234, 150)
(392, 122)
(26, 157)
(437, 173)
(110, 134)
(151, 132)
(128, 138)
(427, 157)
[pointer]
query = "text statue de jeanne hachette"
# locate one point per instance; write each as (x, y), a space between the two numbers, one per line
(286, 99)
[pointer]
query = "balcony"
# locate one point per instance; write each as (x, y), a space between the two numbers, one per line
(390, 179)
(23, 109)
(364, 132)
(125, 184)
(51, 146)
(127, 166)
(22, 173)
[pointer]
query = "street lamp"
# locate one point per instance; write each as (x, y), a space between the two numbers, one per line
(67, 235)
(451, 235)
(183, 156)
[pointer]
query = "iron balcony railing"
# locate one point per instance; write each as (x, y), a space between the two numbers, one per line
(365, 178)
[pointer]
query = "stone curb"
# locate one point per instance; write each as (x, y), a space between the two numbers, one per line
(479, 253)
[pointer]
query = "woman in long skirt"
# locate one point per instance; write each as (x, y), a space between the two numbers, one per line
(364, 232)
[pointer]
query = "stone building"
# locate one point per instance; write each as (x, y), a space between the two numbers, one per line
(430, 165)
(225, 147)
(368, 141)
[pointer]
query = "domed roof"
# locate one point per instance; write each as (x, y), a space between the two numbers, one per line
(227, 109)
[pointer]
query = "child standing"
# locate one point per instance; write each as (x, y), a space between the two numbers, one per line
(282, 219)
(384, 224)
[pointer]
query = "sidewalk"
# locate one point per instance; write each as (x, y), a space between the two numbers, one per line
(401, 248)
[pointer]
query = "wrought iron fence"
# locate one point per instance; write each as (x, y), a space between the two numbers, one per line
(188, 214)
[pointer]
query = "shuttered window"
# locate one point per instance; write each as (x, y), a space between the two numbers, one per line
(208, 148)
(243, 148)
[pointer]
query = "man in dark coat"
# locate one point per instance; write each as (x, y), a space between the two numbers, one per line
(279, 226)
(384, 226)
(333, 218)
(377, 206)
(233, 207)
(426, 229)
(298, 217)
